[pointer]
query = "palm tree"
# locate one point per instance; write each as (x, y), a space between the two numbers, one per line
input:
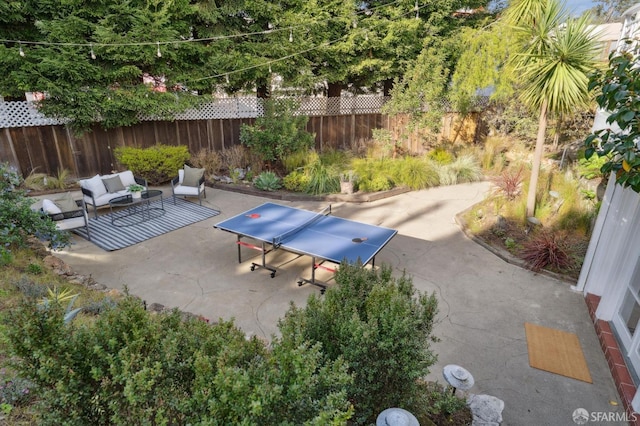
(553, 55)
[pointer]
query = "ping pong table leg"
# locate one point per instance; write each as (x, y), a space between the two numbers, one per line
(264, 265)
(262, 249)
(312, 281)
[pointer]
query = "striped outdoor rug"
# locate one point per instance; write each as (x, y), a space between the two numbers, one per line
(131, 231)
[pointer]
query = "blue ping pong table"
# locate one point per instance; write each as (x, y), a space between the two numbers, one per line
(323, 237)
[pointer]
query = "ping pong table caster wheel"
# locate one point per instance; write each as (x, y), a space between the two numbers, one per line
(300, 283)
(253, 267)
(323, 290)
(273, 274)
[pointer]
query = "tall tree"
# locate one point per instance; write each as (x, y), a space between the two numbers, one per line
(552, 56)
(424, 89)
(91, 57)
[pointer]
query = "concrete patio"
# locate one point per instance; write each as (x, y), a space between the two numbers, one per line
(483, 300)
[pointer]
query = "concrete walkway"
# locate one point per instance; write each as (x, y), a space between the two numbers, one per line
(483, 301)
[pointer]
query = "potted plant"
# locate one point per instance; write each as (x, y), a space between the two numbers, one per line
(135, 190)
(346, 182)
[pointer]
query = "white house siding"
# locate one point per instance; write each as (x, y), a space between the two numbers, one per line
(613, 250)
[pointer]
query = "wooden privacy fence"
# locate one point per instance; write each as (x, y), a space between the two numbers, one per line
(52, 147)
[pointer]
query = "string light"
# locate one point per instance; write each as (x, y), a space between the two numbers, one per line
(93, 55)
(21, 52)
(417, 10)
(270, 69)
(193, 40)
(366, 11)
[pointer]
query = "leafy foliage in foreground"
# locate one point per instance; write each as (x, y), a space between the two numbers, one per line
(617, 143)
(381, 326)
(133, 367)
(18, 220)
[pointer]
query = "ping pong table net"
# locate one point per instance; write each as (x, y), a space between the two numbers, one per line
(278, 240)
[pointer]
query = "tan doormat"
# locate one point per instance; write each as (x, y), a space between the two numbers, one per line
(557, 352)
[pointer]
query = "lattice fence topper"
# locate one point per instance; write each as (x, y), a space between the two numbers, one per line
(26, 114)
(23, 114)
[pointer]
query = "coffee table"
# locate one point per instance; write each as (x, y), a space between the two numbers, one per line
(136, 210)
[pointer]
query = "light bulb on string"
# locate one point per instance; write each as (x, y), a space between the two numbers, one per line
(93, 55)
(417, 10)
(290, 35)
(366, 36)
(21, 52)
(158, 52)
(227, 78)
(270, 69)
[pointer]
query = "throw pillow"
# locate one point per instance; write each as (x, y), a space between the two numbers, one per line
(113, 184)
(127, 178)
(95, 185)
(49, 207)
(192, 176)
(66, 203)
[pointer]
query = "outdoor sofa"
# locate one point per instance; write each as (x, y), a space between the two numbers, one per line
(99, 190)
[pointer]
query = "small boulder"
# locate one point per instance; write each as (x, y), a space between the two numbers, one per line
(486, 410)
(57, 265)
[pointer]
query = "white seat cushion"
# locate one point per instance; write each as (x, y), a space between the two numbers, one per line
(72, 223)
(187, 190)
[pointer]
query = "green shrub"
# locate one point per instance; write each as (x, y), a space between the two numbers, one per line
(464, 169)
(130, 367)
(416, 173)
(18, 221)
(323, 179)
(298, 159)
(375, 184)
(440, 156)
(335, 158)
(34, 268)
(278, 133)
(373, 174)
(590, 168)
(267, 181)
(380, 325)
(296, 181)
(158, 164)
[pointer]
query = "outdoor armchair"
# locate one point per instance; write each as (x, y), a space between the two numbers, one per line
(189, 183)
(68, 220)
